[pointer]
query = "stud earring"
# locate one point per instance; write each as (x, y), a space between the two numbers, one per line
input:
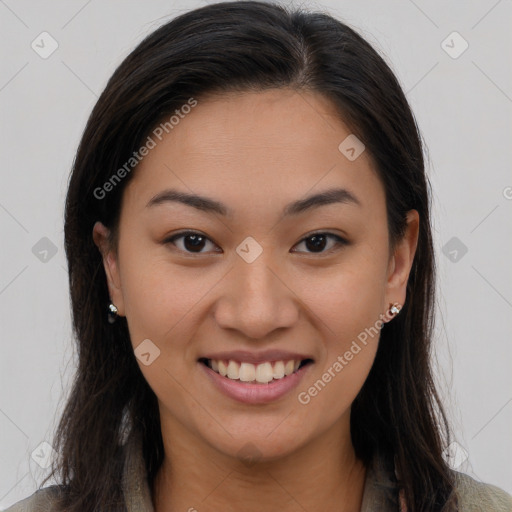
(112, 313)
(394, 308)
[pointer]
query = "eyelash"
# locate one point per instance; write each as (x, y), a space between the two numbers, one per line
(339, 241)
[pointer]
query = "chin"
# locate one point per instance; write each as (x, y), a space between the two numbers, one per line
(251, 446)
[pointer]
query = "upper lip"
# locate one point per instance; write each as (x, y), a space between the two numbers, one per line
(245, 356)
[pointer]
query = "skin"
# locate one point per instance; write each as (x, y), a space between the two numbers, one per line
(256, 152)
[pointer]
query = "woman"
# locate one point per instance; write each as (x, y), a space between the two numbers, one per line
(251, 269)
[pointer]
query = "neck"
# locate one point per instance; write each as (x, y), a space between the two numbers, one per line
(323, 475)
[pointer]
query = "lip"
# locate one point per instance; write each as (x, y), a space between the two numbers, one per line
(256, 393)
(243, 356)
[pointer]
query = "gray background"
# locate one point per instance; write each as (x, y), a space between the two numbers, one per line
(463, 108)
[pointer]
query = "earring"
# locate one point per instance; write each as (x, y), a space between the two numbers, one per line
(112, 313)
(394, 308)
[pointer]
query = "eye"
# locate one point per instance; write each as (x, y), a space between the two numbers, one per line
(318, 241)
(192, 242)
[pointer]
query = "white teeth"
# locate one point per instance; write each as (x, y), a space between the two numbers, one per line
(233, 370)
(288, 368)
(264, 372)
(223, 369)
(278, 370)
(247, 372)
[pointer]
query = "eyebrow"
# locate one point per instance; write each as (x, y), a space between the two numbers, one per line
(208, 205)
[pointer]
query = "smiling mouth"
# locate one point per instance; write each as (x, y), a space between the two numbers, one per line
(263, 373)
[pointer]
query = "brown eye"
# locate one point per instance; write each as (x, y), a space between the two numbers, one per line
(317, 242)
(191, 242)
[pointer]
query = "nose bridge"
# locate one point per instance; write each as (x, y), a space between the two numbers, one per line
(256, 279)
(255, 299)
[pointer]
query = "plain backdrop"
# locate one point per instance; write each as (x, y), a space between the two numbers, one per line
(462, 99)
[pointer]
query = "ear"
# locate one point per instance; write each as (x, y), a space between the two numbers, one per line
(101, 237)
(401, 261)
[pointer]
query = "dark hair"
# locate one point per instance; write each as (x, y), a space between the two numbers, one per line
(221, 48)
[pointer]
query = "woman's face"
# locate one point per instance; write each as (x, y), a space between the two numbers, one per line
(251, 283)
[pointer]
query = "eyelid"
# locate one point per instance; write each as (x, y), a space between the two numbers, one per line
(327, 232)
(340, 241)
(182, 234)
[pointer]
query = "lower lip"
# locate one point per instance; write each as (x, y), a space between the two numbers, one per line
(256, 393)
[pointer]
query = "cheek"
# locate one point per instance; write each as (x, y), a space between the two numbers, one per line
(158, 295)
(350, 323)
(348, 306)
(331, 393)
(349, 296)
(161, 302)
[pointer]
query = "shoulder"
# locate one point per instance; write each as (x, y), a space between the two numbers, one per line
(477, 496)
(43, 500)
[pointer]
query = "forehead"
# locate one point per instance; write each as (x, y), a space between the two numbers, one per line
(256, 145)
(237, 125)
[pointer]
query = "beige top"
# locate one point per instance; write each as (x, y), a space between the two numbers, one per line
(380, 493)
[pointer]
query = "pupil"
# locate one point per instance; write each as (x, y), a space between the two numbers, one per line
(197, 240)
(318, 242)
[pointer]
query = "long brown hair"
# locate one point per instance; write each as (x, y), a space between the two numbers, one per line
(242, 46)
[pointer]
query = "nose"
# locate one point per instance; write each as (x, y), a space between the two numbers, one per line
(256, 299)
